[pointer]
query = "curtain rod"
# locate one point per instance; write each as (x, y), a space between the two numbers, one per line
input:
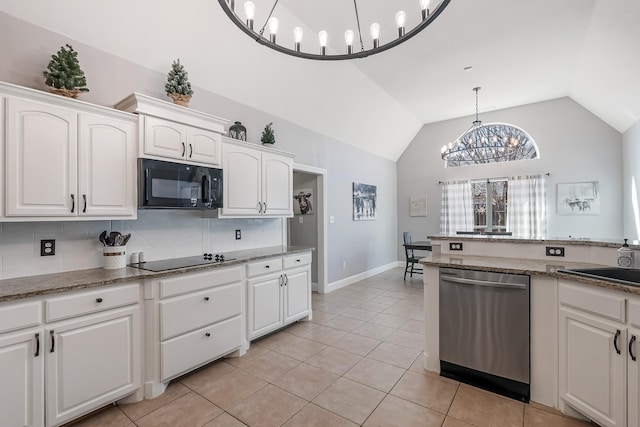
(547, 174)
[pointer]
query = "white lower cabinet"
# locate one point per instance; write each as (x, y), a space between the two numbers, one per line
(279, 293)
(192, 319)
(21, 371)
(598, 376)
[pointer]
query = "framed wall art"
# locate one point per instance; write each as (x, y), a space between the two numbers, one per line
(303, 201)
(418, 206)
(578, 198)
(364, 202)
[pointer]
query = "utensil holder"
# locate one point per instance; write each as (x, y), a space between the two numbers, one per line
(114, 257)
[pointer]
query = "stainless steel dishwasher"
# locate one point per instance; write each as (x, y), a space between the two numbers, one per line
(484, 330)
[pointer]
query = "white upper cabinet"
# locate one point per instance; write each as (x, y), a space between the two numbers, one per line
(172, 132)
(66, 159)
(257, 182)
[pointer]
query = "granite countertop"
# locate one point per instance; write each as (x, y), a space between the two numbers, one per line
(524, 266)
(567, 241)
(25, 287)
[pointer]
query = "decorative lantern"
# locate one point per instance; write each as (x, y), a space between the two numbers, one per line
(238, 131)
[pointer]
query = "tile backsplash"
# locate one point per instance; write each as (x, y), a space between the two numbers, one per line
(158, 233)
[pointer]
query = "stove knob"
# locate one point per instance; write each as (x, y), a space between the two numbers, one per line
(217, 257)
(221, 258)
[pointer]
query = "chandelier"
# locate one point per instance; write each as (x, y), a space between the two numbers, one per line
(493, 142)
(355, 44)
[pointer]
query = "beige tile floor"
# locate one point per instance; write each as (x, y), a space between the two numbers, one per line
(358, 362)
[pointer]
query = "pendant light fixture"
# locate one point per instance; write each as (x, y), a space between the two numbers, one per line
(423, 15)
(493, 142)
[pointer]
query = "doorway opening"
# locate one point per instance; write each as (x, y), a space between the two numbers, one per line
(308, 225)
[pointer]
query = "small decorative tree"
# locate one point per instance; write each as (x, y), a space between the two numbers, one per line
(268, 135)
(64, 75)
(178, 86)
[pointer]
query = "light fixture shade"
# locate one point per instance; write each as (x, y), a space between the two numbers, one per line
(268, 8)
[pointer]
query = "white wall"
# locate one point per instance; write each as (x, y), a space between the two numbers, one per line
(574, 146)
(631, 173)
(25, 51)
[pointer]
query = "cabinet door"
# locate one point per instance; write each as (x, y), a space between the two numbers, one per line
(164, 138)
(592, 373)
(241, 182)
(277, 185)
(265, 305)
(298, 294)
(106, 153)
(203, 146)
(21, 370)
(91, 361)
(633, 348)
(41, 163)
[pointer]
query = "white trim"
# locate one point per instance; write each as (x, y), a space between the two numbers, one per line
(321, 205)
(360, 276)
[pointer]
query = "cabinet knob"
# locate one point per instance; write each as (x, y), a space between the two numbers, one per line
(98, 300)
(266, 266)
(207, 334)
(206, 298)
(297, 260)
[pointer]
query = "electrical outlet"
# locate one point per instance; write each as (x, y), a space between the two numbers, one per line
(238, 235)
(455, 246)
(554, 251)
(47, 247)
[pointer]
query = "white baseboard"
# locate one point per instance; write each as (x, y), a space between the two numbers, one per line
(314, 287)
(360, 276)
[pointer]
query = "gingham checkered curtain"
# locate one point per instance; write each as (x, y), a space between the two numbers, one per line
(456, 212)
(527, 206)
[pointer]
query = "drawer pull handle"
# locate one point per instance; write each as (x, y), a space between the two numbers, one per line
(207, 334)
(98, 300)
(53, 341)
(297, 260)
(38, 345)
(206, 298)
(266, 266)
(631, 341)
(615, 341)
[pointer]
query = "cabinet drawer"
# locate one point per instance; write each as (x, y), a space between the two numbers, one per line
(104, 298)
(634, 313)
(19, 316)
(263, 267)
(188, 312)
(186, 352)
(593, 301)
(186, 283)
(297, 260)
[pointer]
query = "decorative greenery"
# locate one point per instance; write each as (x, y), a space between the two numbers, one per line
(268, 135)
(64, 71)
(177, 80)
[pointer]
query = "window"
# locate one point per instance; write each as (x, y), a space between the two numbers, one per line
(490, 205)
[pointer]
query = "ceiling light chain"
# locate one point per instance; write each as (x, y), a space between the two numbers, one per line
(428, 16)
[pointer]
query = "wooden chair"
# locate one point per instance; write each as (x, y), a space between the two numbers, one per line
(410, 256)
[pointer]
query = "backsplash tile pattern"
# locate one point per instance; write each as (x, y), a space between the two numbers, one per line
(158, 233)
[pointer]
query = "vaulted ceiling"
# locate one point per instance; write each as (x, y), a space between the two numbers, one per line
(520, 52)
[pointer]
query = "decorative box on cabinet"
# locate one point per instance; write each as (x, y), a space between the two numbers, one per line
(67, 159)
(598, 373)
(279, 293)
(178, 343)
(169, 131)
(257, 181)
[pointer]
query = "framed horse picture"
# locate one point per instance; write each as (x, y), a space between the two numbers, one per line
(578, 198)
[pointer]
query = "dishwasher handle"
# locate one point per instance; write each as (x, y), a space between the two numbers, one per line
(487, 283)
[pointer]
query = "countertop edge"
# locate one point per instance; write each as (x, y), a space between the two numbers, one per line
(33, 286)
(550, 241)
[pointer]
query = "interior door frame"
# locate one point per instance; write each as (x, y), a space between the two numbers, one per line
(321, 210)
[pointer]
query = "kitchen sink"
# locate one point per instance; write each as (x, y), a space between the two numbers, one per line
(626, 276)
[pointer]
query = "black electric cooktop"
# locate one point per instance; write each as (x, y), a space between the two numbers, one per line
(174, 263)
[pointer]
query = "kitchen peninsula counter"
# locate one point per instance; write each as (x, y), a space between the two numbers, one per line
(30, 286)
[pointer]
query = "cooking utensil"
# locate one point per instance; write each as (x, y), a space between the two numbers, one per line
(102, 237)
(114, 236)
(126, 239)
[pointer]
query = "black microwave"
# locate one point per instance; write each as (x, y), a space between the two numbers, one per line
(178, 186)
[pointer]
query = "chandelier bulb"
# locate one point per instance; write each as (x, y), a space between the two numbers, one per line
(348, 38)
(401, 19)
(273, 28)
(424, 6)
(323, 36)
(375, 34)
(297, 38)
(249, 12)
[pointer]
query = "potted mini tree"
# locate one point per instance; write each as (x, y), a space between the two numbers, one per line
(268, 135)
(64, 75)
(178, 86)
